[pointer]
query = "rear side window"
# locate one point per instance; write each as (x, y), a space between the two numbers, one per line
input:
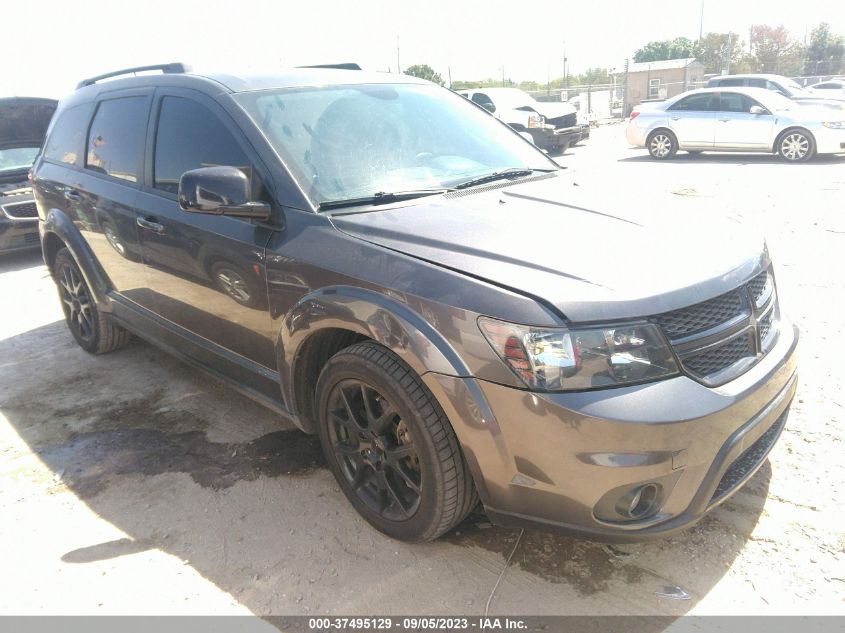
(67, 140)
(190, 136)
(116, 139)
(696, 103)
(733, 81)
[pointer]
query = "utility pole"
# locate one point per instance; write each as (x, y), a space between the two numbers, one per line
(701, 22)
(503, 75)
(398, 67)
(565, 82)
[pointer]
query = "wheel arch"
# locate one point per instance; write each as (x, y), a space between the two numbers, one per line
(792, 128)
(58, 231)
(330, 319)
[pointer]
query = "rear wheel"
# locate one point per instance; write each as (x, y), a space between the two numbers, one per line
(390, 446)
(662, 145)
(91, 329)
(796, 146)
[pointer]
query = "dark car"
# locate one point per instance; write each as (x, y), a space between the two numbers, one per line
(23, 122)
(453, 318)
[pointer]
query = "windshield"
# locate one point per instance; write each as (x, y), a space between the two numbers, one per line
(346, 142)
(17, 158)
(792, 86)
(777, 102)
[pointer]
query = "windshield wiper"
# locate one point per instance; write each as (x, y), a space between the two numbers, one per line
(382, 197)
(510, 172)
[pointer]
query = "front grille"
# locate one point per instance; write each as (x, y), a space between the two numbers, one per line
(716, 335)
(719, 358)
(21, 210)
(701, 316)
(567, 120)
(750, 458)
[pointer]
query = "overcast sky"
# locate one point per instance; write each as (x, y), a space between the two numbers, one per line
(51, 44)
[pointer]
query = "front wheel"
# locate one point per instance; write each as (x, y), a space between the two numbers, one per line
(662, 145)
(390, 446)
(796, 146)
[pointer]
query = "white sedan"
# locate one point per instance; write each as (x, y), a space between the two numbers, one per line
(736, 120)
(830, 88)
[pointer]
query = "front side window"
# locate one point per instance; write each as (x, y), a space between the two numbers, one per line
(66, 142)
(116, 138)
(735, 102)
(343, 142)
(190, 136)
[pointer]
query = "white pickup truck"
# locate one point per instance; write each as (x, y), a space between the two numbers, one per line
(553, 125)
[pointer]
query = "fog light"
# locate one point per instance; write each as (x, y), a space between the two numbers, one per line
(639, 502)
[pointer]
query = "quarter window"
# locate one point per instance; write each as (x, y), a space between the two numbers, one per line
(66, 142)
(190, 136)
(116, 139)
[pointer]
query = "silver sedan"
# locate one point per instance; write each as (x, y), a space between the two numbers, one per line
(736, 120)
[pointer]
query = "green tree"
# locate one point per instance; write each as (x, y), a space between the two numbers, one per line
(678, 48)
(719, 50)
(825, 52)
(424, 71)
(775, 51)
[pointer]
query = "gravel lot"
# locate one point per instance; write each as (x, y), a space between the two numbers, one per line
(133, 484)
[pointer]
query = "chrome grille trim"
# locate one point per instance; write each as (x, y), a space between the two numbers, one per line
(21, 211)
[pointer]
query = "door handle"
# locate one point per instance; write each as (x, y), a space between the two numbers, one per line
(150, 225)
(72, 196)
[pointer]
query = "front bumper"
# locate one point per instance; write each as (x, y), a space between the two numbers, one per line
(560, 461)
(557, 138)
(829, 141)
(17, 234)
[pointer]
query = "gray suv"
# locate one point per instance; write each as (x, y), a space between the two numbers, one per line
(385, 265)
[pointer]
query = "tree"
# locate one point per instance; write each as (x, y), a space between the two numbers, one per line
(424, 71)
(774, 51)
(825, 53)
(718, 51)
(679, 48)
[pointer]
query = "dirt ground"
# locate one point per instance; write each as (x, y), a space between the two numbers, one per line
(133, 484)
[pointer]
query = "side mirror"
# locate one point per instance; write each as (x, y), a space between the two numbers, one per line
(488, 105)
(755, 109)
(219, 191)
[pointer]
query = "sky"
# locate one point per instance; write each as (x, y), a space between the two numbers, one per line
(52, 44)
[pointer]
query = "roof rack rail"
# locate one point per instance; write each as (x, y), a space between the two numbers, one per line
(174, 68)
(341, 66)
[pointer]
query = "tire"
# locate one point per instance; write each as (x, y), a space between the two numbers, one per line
(662, 145)
(796, 146)
(92, 330)
(390, 446)
(236, 284)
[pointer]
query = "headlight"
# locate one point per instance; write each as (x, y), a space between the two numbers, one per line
(535, 120)
(562, 359)
(835, 125)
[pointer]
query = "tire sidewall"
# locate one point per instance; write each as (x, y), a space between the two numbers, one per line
(672, 150)
(65, 259)
(424, 521)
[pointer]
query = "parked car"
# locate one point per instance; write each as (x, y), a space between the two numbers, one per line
(737, 120)
(413, 319)
(778, 83)
(553, 126)
(23, 122)
(832, 88)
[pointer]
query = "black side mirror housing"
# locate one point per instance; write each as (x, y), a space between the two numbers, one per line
(220, 191)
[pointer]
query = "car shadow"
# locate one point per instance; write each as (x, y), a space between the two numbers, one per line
(183, 464)
(732, 158)
(11, 262)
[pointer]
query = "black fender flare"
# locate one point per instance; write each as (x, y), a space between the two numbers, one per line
(382, 318)
(58, 223)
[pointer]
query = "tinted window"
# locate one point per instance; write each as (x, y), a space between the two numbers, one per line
(190, 136)
(67, 139)
(696, 103)
(732, 81)
(480, 98)
(734, 102)
(116, 139)
(773, 86)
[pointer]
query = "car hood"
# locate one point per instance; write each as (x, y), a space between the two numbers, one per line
(24, 120)
(585, 252)
(553, 109)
